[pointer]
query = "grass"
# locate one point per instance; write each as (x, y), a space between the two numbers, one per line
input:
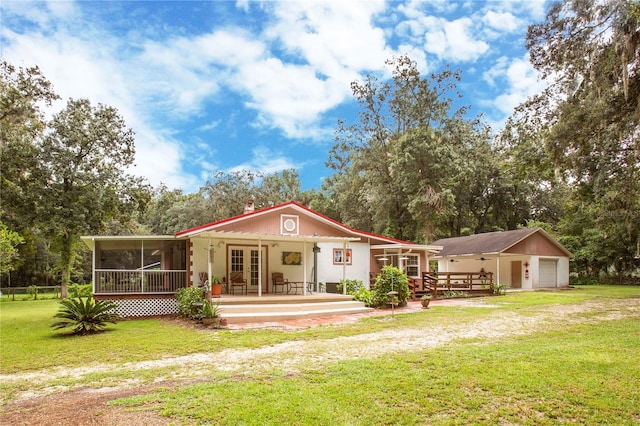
(28, 343)
(584, 373)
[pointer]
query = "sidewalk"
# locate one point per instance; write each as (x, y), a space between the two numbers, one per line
(412, 306)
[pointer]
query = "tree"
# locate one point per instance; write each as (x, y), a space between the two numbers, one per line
(23, 93)
(9, 257)
(84, 159)
(589, 51)
(404, 168)
(227, 193)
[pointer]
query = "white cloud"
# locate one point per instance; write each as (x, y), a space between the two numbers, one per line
(449, 40)
(210, 126)
(501, 21)
(267, 161)
(289, 96)
(328, 45)
(519, 79)
(452, 40)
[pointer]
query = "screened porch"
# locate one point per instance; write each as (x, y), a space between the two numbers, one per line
(140, 266)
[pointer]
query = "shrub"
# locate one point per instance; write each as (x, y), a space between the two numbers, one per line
(186, 297)
(499, 289)
(33, 290)
(391, 279)
(85, 315)
(364, 295)
(352, 286)
(80, 290)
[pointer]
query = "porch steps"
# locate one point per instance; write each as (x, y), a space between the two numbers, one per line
(268, 312)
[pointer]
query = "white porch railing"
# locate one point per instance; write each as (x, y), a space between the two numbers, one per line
(119, 281)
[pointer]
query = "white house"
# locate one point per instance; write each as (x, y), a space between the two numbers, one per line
(142, 273)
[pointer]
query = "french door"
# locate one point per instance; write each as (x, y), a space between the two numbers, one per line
(245, 259)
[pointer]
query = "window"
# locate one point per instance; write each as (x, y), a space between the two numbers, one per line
(412, 265)
(342, 258)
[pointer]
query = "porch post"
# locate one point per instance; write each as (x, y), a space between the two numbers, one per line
(93, 268)
(209, 266)
(304, 268)
(142, 267)
(344, 266)
(259, 267)
(498, 269)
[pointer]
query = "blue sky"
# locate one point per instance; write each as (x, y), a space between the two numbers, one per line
(222, 86)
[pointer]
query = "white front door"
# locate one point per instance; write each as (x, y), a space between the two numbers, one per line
(244, 259)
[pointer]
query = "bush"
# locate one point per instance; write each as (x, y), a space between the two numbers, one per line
(186, 297)
(364, 295)
(391, 279)
(352, 286)
(86, 316)
(33, 290)
(583, 280)
(499, 289)
(80, 290)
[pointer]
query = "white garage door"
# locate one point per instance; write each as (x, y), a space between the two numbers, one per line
(548, 273)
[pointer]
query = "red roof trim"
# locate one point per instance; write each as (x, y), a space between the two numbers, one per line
(232, 219)
(212, 225)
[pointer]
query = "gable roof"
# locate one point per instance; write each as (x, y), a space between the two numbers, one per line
(490, 242)
(218, 226)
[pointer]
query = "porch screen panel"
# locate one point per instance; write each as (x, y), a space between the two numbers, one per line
(138, 267)
(118, 267)
(164, 262)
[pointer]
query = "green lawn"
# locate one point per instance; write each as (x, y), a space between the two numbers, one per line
(586, 372)
(584, 375)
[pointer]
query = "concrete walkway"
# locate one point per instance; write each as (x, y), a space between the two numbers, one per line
(412, 306)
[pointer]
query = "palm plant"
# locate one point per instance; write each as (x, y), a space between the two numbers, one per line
(85, 315)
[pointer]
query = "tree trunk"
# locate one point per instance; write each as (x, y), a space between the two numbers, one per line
(67, 258)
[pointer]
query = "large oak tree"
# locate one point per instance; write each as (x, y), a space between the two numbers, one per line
(84, 158)
(588, 123)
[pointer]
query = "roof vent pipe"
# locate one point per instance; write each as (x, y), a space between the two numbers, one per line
(249, 207)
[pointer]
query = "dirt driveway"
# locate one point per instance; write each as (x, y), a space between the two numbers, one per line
(54, 405)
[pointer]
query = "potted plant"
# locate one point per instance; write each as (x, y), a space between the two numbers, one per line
(210, 313)
(424, 300)
(216, 286)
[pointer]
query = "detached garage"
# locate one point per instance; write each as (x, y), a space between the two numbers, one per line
(524, 258)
